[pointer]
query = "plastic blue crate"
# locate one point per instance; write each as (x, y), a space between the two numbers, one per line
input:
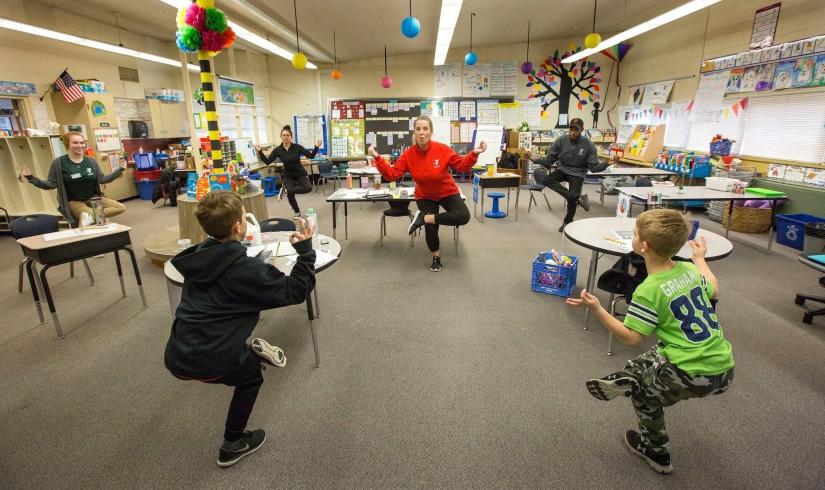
(790, 229)
(553, 279)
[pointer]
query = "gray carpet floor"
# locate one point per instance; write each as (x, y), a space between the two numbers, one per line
(463, 378)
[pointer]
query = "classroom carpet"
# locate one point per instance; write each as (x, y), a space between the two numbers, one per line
(461, 379)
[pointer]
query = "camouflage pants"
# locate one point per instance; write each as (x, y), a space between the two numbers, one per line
(662, 384)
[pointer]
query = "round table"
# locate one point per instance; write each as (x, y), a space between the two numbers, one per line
(253, 202)
(174, 279)
(590, 233)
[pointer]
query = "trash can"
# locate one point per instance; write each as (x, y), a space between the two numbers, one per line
(790, 229)
(146, 188)
(814, 238)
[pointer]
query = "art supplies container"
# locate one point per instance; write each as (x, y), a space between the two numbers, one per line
(553, 279)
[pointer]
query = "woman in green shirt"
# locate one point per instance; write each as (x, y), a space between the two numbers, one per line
(77, 179)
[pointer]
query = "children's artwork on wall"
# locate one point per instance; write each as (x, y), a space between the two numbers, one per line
(819, 71)
(748, 83)
(764, 77)
(803, 72)
(735, 81)
(783, 77)
(776, 170)
(554, 82)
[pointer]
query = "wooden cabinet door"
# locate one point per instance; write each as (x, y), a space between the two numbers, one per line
(174, 118)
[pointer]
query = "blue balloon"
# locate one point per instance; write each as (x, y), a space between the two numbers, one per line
(410, 27)
(471, 58)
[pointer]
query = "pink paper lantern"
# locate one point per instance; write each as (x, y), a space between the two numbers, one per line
(386, 82)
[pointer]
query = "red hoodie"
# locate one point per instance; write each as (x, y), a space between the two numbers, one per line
(429, 169)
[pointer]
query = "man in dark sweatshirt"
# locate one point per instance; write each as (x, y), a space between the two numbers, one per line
(575, 155)
(223, 294)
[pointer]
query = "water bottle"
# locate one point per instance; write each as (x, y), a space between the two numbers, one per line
(312, 220)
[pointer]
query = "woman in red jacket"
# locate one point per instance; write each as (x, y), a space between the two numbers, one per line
(428, 162)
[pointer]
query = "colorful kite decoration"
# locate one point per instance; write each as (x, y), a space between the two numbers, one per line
(554, 81)
(617, 52)
(202, 28)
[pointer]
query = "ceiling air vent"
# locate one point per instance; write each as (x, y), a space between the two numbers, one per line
(128, 74)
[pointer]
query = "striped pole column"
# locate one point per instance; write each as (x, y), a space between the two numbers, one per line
(208, 84)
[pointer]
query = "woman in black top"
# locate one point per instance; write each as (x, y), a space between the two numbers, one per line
(294, 176)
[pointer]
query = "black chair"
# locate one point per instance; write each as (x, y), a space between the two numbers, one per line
(808, 316)
(277, 224)
(327, 172)
(397, 209)
(6, 216)
(538, 177)
(33, 225)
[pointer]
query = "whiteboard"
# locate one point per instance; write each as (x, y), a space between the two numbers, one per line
(492, 135)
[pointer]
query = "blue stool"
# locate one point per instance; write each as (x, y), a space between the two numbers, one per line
(270, 186)
(495, 212)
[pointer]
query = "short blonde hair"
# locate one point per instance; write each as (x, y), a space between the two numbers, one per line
(217, 213)
(664, 230)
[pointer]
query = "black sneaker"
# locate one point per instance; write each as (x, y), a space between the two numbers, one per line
(584, 201)
(611, 386)
(417, 222)
(561, 228)
(268, 353)
(659, 462)
(436, 265)
(297, 214)
(232, 452)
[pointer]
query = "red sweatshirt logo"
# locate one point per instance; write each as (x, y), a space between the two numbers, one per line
(435, 163)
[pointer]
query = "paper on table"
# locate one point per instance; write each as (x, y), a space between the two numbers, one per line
(59, 235)
(283, 248)
(322, 258)
(98, 229)
(253, 251)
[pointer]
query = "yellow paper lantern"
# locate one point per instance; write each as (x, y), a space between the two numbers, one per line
(592, 40)
(299, 61)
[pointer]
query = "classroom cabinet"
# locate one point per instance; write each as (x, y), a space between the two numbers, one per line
(169, 119)
(22, 198)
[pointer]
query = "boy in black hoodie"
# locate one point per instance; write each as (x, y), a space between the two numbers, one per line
(223, 294)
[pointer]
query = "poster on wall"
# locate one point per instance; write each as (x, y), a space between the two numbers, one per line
(657, 93)
(819, 71)
(735, 80)
(783, 77)
(636, 95)
(803, 72)
(447, 79)
(17, 88)
(764, 26)
(710, 93)
(236, 92)
(476, 80)
(503, 77)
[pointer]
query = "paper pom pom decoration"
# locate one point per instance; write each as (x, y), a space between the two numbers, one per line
(386, 82)
(202, 27)
(410, 26)
(471, 58)
(299, 61)
(592, 40)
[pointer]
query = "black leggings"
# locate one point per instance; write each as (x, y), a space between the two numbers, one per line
(296, 185)
(456, 214)
(247, 380)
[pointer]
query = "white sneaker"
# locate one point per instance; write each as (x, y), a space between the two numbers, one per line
(270, 354)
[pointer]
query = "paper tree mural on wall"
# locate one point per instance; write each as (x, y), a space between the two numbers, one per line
(555, 82)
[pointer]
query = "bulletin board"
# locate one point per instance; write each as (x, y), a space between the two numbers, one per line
(388, 123)
(309, 129)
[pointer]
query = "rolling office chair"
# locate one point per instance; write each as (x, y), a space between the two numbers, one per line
(808, 316)
(33, 225)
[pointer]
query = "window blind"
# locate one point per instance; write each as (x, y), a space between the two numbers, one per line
(677, 125)
(706, 125)
(788, 127)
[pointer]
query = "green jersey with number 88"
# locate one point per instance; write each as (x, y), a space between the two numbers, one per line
(675, 305)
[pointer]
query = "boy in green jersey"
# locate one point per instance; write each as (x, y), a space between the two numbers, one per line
(692, 358)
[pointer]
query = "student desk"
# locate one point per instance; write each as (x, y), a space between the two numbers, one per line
(695, 193)
(629, 172)
(497, 181)
(174, 279)
(76, 245)
(590, 233)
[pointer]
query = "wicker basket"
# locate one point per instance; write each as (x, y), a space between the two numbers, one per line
(747, 220)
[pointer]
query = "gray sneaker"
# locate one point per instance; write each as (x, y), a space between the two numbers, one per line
(659, 462)
(270, 354)
(584, 200)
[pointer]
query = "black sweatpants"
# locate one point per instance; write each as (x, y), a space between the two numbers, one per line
(296, 185)
(247, 380)
(571, 194)
(456, 214)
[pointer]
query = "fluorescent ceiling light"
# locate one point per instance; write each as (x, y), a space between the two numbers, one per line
(446, 25)
(649, 25)
(59, 36)
(248, 36)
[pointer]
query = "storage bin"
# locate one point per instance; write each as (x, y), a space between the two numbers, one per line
(720, 183)
(747, 220)
(721, 147)
(144, 161)
(146, 188)
(553, 279)
(790, 229)
(142, 175)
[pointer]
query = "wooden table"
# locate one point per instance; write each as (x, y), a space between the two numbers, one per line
(76, 245)
(253, 202)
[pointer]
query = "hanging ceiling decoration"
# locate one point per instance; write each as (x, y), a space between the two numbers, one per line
(386, 81)
(527, 66)
(410, 26)
(299, 59)
(594, 38)
(471, 57)
(336, 73)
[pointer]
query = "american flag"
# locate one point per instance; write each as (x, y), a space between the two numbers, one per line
(68, 87)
